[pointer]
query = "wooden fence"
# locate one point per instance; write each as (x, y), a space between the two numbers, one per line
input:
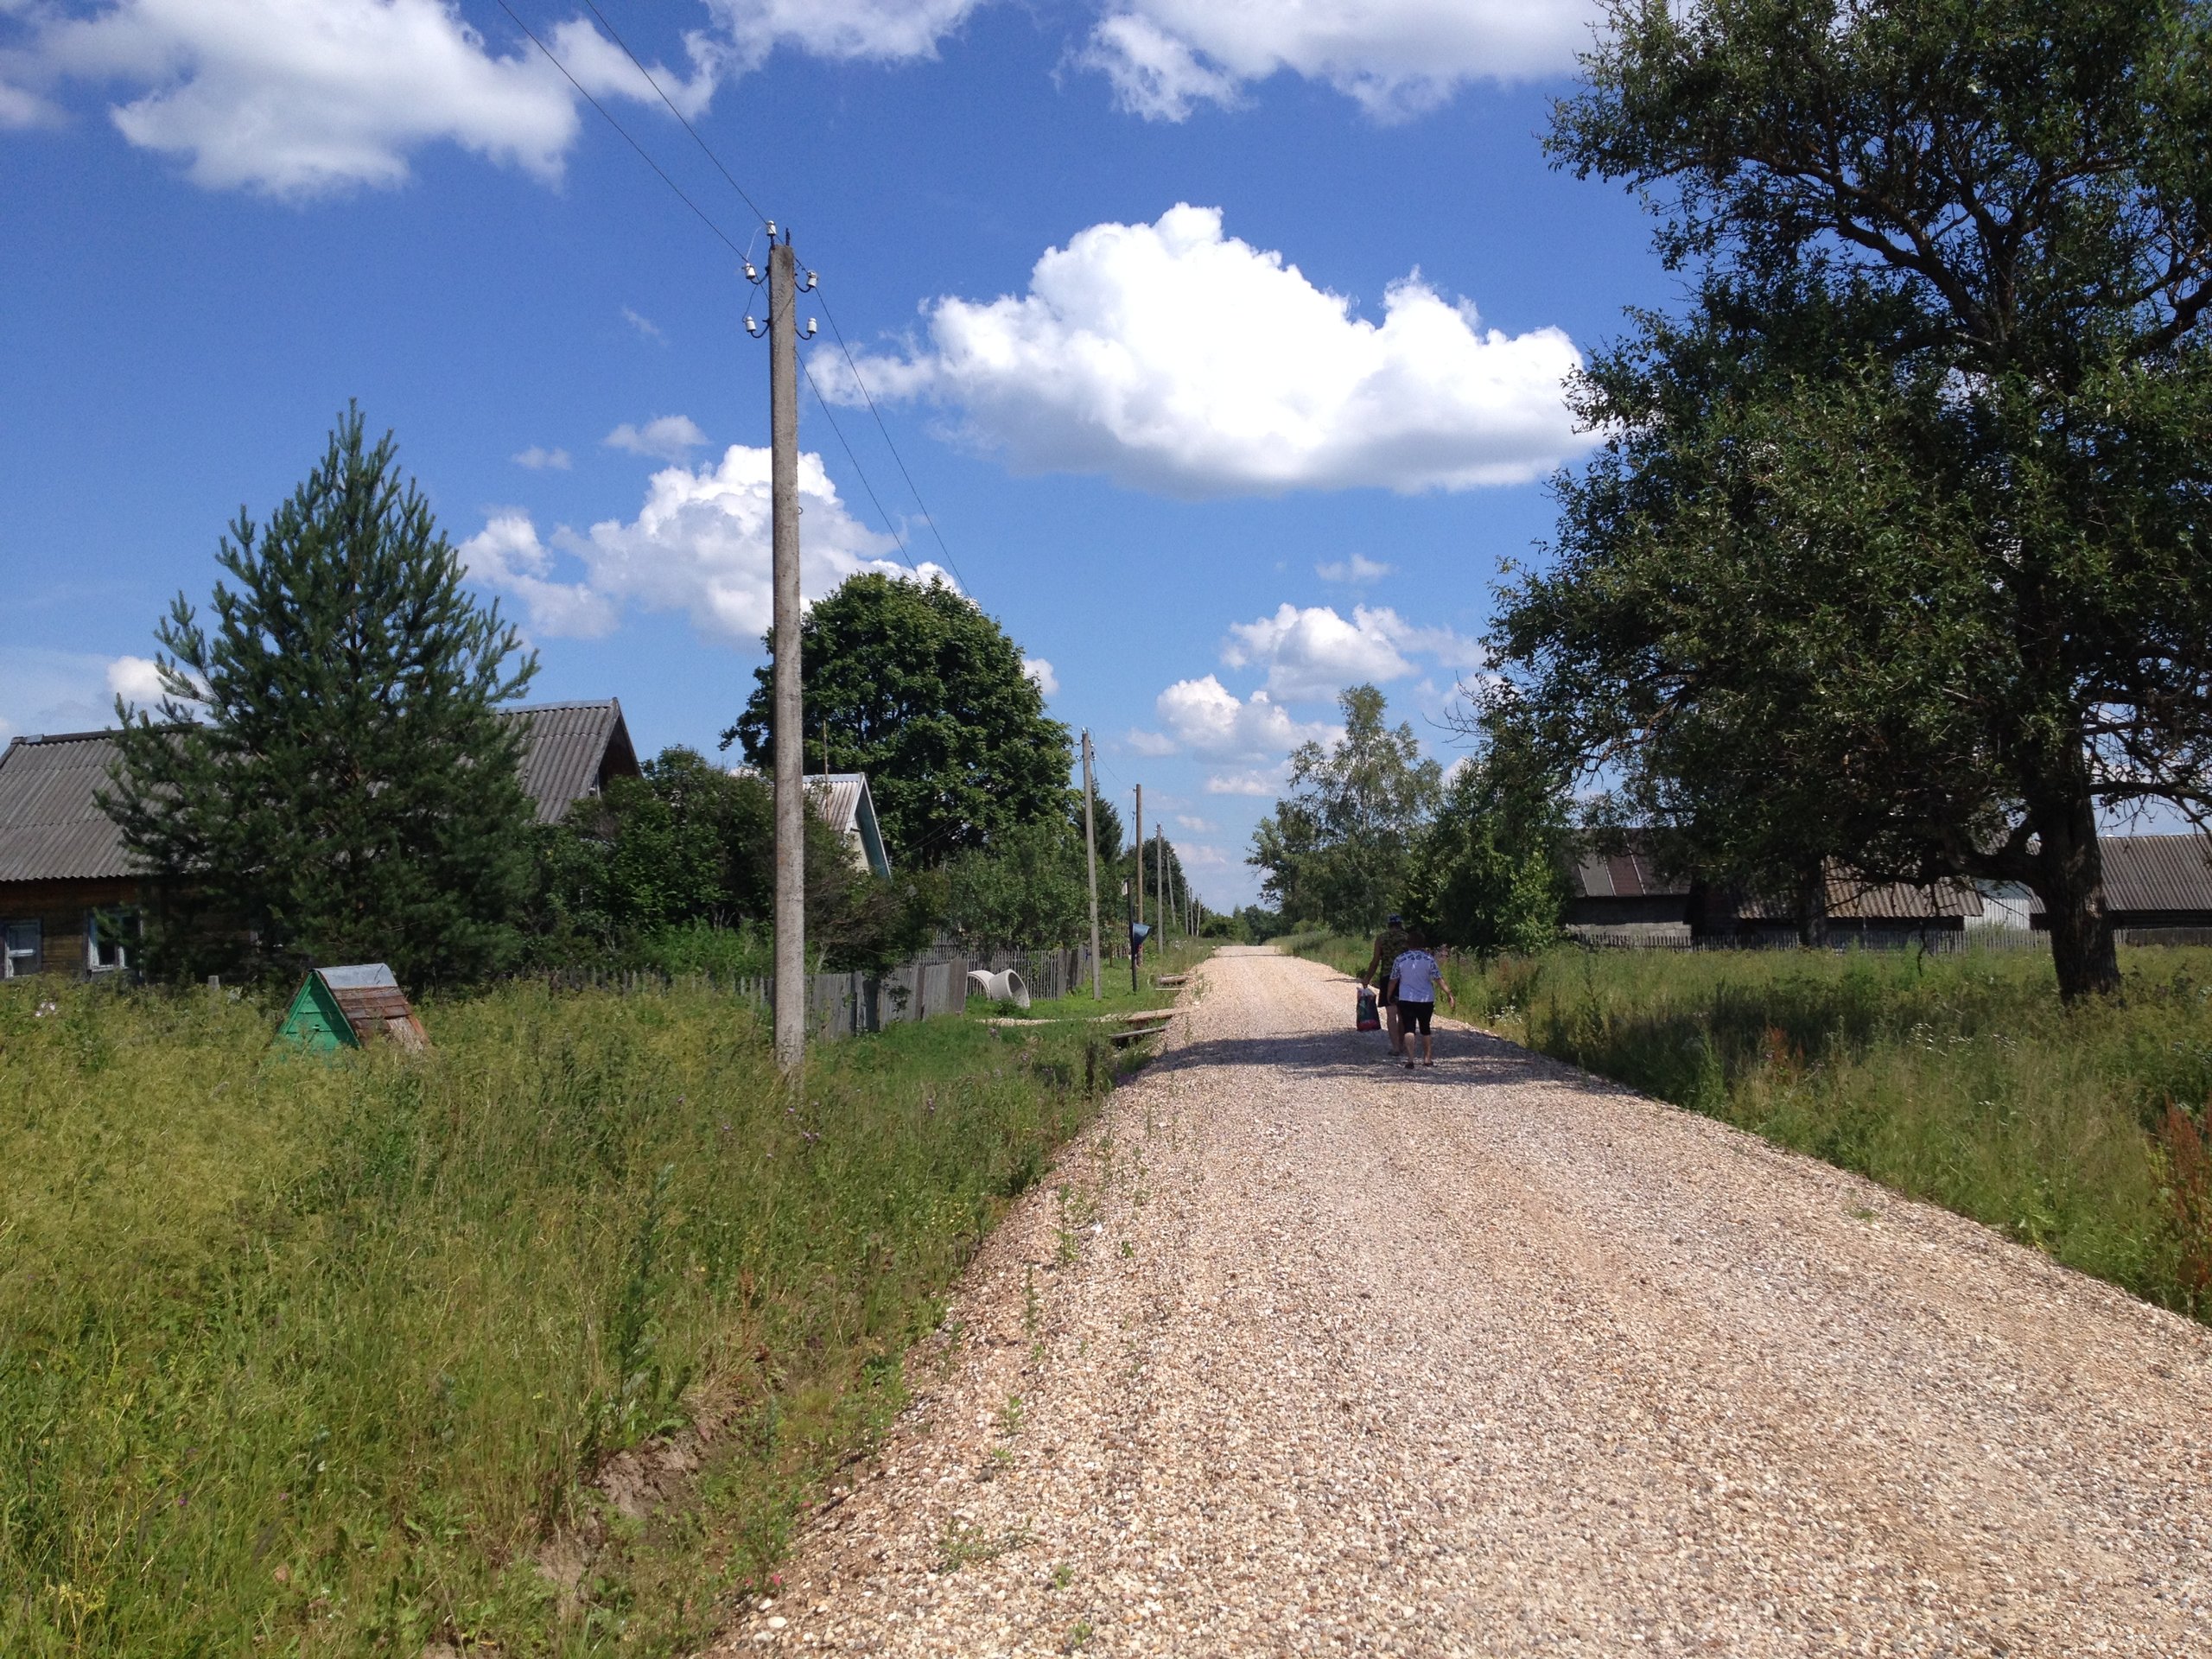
(845, 1005)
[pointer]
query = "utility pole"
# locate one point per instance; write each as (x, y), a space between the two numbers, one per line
(1091, 862)
(1159, 877)
(789, 725)
(1136, 893)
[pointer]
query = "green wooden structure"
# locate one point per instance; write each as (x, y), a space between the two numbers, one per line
(343, 1007)
(315, 1022)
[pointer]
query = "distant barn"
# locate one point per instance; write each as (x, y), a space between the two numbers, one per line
(1629, 896)
(69, 895)
(2157, 889)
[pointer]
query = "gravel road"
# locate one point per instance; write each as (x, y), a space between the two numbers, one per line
(1300, 1353)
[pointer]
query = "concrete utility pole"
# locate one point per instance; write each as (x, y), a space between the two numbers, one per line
(790, 729)
(1160, 878)
(1136, 891)
(1091, 862)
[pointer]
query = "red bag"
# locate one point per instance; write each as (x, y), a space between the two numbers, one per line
(1370, 1019)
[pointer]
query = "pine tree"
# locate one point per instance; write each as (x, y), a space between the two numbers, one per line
(328, 778)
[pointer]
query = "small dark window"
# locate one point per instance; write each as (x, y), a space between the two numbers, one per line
(111, 939)
(19, 950)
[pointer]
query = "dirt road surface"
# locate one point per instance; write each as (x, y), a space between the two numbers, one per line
(1300, 1353)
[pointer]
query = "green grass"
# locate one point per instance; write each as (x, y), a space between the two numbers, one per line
(1178, 957)
(330, 1356)
(1956, 1079)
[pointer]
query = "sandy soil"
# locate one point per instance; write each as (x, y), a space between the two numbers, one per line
(1301, 1353)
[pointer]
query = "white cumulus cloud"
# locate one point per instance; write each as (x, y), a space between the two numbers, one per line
(1205, 717)
(304, 98)
(538, 458)
(668, 437)
(882, 30)
(1396, 57)
(1173, 358)
(1314, 652)
(137, 680)
(699, 545)
(1041, 672)
(1355, 571)
(1259, 784)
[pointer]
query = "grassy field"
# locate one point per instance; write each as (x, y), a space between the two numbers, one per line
(330, 1357)
(1956, 1079)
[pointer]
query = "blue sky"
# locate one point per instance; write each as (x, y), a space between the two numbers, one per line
(1222, 339)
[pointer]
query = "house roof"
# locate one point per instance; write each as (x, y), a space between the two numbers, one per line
(52, 828)
(2154, 873)
(571, 750)
(1634, 873)
(844, 800)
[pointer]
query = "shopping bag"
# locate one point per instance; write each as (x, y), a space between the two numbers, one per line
(1370, 1020)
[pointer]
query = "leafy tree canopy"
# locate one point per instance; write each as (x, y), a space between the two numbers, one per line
(688, 844)
(1897, 549)
(1338, 848)
(912, 683)
(328, 779)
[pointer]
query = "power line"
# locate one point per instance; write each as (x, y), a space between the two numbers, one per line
(822, 403)
(854, 366)
(678, 113)
(642, 151)
(708, 151)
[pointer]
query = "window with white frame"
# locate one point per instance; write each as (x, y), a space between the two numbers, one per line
(111, 939)
(19, 949)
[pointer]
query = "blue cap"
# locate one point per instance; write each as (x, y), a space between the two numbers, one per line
(1397, 921)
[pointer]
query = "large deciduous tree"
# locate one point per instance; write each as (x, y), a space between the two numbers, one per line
(1338, 847)
(1898, 548)
(328, 778)
(910, 683)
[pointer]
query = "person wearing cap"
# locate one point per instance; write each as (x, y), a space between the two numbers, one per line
(1389, 944)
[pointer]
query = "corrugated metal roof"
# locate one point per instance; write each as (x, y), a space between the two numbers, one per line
(2154, 873)
(567, 748)
(52, 828)
(1636, 874)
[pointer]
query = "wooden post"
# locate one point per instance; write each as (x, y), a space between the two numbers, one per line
(790, 725)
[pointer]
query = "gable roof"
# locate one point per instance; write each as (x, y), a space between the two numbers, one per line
(843, 799)
(571, 750)
(2153, 872)
(52, 828)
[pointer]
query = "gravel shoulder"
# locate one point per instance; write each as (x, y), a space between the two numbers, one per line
(1300, 1353)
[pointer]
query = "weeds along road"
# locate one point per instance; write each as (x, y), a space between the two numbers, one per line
(1300, 1354)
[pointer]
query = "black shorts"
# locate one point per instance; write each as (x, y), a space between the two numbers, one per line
(1416, 1015)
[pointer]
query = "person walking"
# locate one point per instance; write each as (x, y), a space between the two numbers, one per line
(1389, 944)
(1415, 981)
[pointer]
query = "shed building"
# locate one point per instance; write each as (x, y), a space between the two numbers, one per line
(2154, 885)
(68, 893)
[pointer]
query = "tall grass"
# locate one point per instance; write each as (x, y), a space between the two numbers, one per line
(330, 1355)
(1956, 1079)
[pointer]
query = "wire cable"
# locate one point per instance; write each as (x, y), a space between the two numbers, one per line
(642, 151)
(927, 518)
(678, 113)
(807, 369)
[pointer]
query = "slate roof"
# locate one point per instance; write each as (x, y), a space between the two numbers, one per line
(2155, 873)
(571, 751)
(52, 828)
(1635, 875)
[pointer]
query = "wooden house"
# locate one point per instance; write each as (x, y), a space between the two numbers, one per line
(68, 893)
